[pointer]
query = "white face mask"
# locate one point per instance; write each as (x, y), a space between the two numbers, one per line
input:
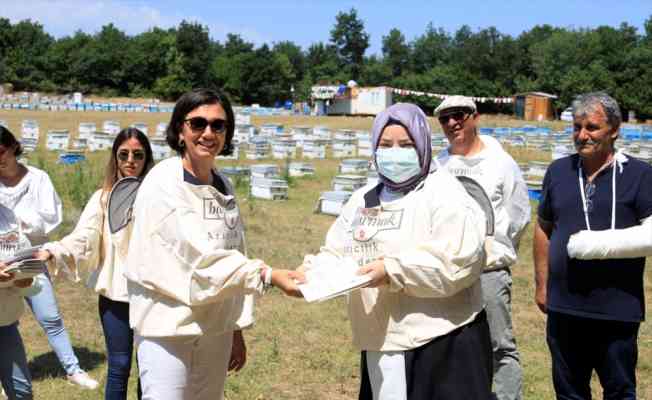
(397, 164)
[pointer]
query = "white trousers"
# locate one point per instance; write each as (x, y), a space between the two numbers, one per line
(386, 371)
(183, 368)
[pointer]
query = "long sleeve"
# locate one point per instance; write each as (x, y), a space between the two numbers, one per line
(42, 217)
(450, 261)
(517, 204)
(633, 242)
(192, 269)
(82, 248)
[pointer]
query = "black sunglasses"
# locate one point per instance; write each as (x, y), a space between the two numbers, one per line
(199, 124)
(123, 155)
(458, 116)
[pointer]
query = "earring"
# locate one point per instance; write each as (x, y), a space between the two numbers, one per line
(182, 144)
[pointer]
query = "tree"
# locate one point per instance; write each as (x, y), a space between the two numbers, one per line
(430, 49)
(351, 41)
(396, 52)
(194, 47)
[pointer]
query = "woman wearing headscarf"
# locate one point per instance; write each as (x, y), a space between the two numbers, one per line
(420, 323)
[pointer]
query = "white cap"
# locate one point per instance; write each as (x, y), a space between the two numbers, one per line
(456, 102)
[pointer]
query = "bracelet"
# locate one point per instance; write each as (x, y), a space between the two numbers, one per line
(267, 278)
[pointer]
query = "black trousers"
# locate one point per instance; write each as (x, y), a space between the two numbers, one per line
(580, 345)
(456, 366)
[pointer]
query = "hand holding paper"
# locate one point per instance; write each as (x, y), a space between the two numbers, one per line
(329, 276)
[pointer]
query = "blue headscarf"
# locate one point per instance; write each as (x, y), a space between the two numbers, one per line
(415, 122)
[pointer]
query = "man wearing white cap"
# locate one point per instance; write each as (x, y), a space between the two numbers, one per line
(483, 159)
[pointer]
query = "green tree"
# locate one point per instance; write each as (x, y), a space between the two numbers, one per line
(396, 52)
(195, 50)
(351, 41)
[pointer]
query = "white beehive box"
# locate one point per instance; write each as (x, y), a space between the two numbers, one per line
(244, 133)
(242, 119)
(258, 149)
(86, 129)
(300, 134)
(299, 169)
(100, 141)
(344, 148)
(284, 148)
(57, 139)
(28, 144)
(271, 129)
(364, 145)
(29, 129)
(314, 148)
(537, 168)
(264, 170)
(160, 148)
(111, 127)
(269, 188)
(331, 203)
(348, 183)
(161, 127)
(141, 126)
(80, 143)
(354, 166)
(322, 132)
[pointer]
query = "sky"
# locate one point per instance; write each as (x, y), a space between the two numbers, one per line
(307, 22)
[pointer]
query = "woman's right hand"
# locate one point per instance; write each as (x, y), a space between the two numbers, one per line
(4, 276)
(23, 283)
(287, 281)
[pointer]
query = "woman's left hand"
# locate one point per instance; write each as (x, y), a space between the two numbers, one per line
(238, 352)
(376, 271)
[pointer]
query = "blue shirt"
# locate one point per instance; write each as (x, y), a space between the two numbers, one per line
(601, 289)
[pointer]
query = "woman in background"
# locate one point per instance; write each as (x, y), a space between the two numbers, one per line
(29, 193)
(90, 245)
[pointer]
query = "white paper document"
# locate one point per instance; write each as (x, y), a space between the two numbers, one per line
(23, 266)
(331, 276)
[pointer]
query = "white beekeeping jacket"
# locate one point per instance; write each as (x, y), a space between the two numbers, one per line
(502, 180)
(432, 242)
(90, 246)
(35, 203)
(13, 239)
(186, 268)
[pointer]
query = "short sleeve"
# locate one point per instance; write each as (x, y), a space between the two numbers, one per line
(644, 195)
(544, 212)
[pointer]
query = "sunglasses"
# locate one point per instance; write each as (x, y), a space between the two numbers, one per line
(123, 155)
(199, 124)
(458, 116)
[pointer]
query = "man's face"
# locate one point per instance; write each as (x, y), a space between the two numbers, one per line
(592, 134)
(459, 126)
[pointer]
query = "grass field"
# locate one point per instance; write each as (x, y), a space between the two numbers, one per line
(295, 351)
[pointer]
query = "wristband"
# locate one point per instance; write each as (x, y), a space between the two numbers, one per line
(267, 278)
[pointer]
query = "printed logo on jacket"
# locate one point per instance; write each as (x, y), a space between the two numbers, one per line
(369, 221)
(214, 211)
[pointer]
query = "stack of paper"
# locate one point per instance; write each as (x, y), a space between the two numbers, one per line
(22, 265)
(330, 276)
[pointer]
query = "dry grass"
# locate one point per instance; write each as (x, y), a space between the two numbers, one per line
(296, 351)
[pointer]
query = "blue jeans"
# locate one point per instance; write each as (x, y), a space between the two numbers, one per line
(119, 339)
(497, 294)
(14, 373)
(45, 309)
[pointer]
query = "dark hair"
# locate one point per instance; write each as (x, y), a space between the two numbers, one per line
(190, 101)
(111, 175)
(8, 139)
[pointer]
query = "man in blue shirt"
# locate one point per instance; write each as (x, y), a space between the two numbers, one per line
(594, 307)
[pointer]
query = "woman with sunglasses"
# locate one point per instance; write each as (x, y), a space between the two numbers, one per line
(190, 282)
(29, 193)
(90, 246)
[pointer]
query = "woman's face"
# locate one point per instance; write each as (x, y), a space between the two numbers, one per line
(131, 158)
(7, 157)
(204, 132)
(395, 135)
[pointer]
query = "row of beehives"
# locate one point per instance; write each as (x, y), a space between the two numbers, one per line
(265, 181)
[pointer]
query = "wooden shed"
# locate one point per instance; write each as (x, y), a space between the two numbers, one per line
(534, 106)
